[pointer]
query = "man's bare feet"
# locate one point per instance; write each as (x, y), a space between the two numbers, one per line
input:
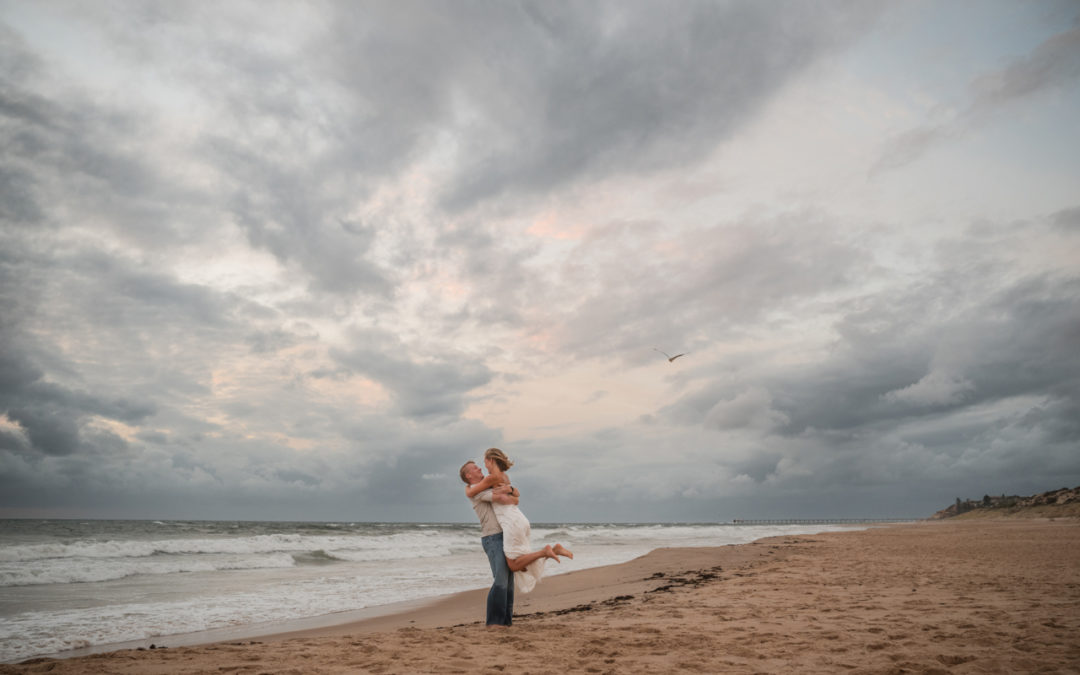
(562, 550)
(550, 553)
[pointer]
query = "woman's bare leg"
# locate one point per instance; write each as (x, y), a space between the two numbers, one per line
(522, 561)
(563, 551)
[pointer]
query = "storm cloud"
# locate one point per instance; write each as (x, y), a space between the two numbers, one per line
(303, 260)
(1052, 65)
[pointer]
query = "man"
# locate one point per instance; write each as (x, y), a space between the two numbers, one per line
(500, 600)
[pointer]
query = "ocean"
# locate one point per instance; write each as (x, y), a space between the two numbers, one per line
(71, 584)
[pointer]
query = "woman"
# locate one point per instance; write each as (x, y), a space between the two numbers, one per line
(527, 566)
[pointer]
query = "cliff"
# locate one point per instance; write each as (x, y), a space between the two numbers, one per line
(1063, 503)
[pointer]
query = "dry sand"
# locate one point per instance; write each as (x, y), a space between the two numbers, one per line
(940, 597)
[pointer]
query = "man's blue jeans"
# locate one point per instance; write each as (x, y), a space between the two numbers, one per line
(500, 600)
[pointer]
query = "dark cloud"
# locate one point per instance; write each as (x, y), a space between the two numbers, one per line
(893, 363)
(1068, 219)
(100, 157)
(51, 415)
(279, 210)
(569, 92)
(980, 385)
(270, 341)
(1052, 64)
(421, 387)
(375, 164)
(379, 477)
(82, 336)
(18, 202)
(964, 375)
(597, 395)
(626, 298)
(758, 467)
(526, 97)
(498, 272)
(72, 155)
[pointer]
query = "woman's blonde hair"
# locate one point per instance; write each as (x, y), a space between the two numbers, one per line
(499, 457)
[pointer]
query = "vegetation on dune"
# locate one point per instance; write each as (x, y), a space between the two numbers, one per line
(1062, 503)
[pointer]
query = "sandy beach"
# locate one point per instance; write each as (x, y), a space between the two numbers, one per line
(980, 596)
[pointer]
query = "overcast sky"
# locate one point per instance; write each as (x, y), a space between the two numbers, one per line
(301, 260)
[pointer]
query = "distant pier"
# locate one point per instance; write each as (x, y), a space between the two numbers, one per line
(820, 521)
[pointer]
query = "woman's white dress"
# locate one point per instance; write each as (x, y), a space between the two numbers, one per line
(516, 531)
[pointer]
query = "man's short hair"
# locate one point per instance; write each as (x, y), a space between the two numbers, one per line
(462, 472)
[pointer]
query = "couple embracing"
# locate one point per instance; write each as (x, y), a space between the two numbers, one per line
(505, 535)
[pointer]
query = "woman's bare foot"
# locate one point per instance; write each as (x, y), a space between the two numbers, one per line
(563, 551)
(550, 553)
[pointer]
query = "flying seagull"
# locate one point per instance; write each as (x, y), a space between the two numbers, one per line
(669, 358)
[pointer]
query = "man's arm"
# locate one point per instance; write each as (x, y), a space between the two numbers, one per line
(501, 498)
(506, 494)
(476, 488)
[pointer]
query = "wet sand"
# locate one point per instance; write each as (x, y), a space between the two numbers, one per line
(986, 596)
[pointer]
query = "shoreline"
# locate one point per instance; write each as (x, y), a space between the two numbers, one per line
(252, 631)
(448, 607)
(940, 596)
(460, 608)
(553, 594)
